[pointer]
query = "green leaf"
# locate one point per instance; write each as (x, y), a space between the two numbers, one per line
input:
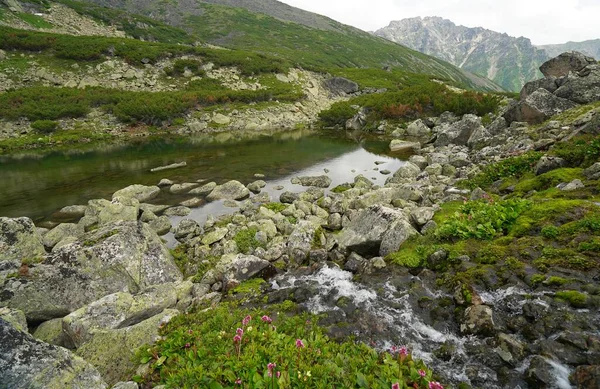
(361, 380)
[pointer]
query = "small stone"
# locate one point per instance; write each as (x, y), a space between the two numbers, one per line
(178, 211)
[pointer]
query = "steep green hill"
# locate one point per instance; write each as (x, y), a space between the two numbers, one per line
(287, 36)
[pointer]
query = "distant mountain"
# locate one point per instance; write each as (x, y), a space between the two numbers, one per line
(591, 48)
(510, 62)
(271, 27)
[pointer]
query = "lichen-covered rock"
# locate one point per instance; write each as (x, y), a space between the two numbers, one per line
(420, 216)
(107, 212)
(418, 129)
(232, 190)
(214, 236)
(118, 310)
(397, 145)
(126, 256)
(583, 88)
(204, 189)
(14, 317)
(591, 173)
(478, 320)
(408, 171)
(29, 363)
(458, 133)
(316, 181)
(141, 193)
(112, 351)
(183, 188)
(71, 211)
(177, 211)
(300, 241)
(161, 225)
(61, 232)
(51, 331)
(548, 83)
(187, 228)
(538, 106)
(548, 163)
(19, 240)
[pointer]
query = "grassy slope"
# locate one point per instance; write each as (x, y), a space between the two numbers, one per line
(304, 46)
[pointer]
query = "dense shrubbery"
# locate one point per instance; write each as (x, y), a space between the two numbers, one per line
(226, 347)
(338, 114)
(515, 167)
(580, 152)
(44, 126)
(181, 65)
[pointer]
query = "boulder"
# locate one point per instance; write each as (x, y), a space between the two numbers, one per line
(107, 212)
(238, 268)
(357, 122)
(565, 63)
(122, 257)
(19, 240)
(548, 83)
(458, 133)
(15, 318)
(141, 193)
(407, 172)
(232, 190)
(587, 377)
(420, 216)
(354, 263)
(547, 163)
(204, 189)
(316, 181)
(214, 236)
(51, 331)
(118, 310)
(340, 86)
(301, 240)
(418, 129)
(397, 145)
(221, 119)
(537, 107)
(29, 363)
(183, 188)
(582, 89)
(540, 373)
(478, 320)
(591, 173)
(61, 232)
(256, 186)
(375, 230)
(161, 225)
(112, 352)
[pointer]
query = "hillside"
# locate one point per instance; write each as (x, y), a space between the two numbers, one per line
(279, 33)
(508, 61)
(591, 48)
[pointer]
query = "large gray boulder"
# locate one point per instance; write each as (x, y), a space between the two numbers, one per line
(107, 212)
(340, 86)
(458, 133)
(418, 129)
(583, 88)
(118, 310)
(407, 172)
(301, 240)
(61, 232)
(19, 240)
(539, 106)
(121, 257)
(548, 83)
(112, 351)
(27, 363)
(376, 230)
(560, 66)
(141, 193)
(232, 190)
(238, 267)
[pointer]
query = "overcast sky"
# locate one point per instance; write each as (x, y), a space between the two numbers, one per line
(543, 21)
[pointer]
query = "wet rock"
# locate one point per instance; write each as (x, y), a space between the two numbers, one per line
(587, 377)
(165, 182)
(192, 203)
(187, 229)
(354, 263)
(316, 181)
(19, 240)
(112, 351)
(30, 363)
(540, 373)
(204, 189)
(232, 190)
(183, 188)
(478, 320)
(256, 186)
(141, 193)
(546, 164)
(121, 257)
(397, 145)
(118, 310)
(177, 211)
(565, 63)
(510, 349)
(72, 211)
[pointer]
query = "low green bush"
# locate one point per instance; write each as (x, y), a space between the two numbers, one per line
(514, 167)
(227, 347)
(44, 126)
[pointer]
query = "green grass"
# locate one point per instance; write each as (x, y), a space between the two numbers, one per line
(33, 20)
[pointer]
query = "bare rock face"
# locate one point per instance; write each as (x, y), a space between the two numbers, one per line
(29, 363)
(560, 66)
(541, 105)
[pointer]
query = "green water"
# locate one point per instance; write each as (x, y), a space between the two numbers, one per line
(37, 186)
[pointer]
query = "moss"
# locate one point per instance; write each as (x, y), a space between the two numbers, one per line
(317, 241)
(549, 179)
(275, 207)
(573, 297)
(592, 245)
(246, 240)
(250, 287)
(180, 257)
(550, 232)
(565, 258)
(537, 279)
(341, 188)
(406, 257)
(556, 281)
(544, 212)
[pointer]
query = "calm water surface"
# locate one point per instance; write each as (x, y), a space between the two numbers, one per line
(38, 185)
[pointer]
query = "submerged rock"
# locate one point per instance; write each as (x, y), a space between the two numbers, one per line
(30, 363)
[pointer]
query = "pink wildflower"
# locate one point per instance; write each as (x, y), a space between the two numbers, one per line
(266, 319)
(246, 320)
(278, 374)
(422, 373)
(190, 332)
(238, 381)
(396, 386)
(240, 332)
(187, 345)
(270, 367)
(403, 351)
(299, 343)
(435, 385)
(237, 339)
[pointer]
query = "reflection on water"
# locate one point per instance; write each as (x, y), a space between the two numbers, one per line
(37, 186)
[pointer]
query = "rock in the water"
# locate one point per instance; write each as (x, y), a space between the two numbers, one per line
(168, 167)
(72, 211)
(165, 182)
(19, 239)
(126, 256)
(187, 228)
(374, 230)
(587, 377)
(354, 263)
(183, 188)
(560, 66)
(340, 86)
(118, 310)
(119, 209)
(458, 133)
(256, 186)
(478, 320)
(540, 373)
(316, 181)
(401, 145)
(141, 193)
(204, 189)
(178, 211)
(29, 363)
(112, 351)
(232, 190)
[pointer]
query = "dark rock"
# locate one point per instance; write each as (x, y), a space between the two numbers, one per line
(478, 320)
(546, 164)
(582, 90)
(288, 197)
(340, 86)
(539, 106)
(548, 84)
(587, 377)
(560, 66)
(354, 263)
(357, 122)
(540, 373)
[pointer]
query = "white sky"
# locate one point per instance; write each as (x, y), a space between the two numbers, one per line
(542, 21)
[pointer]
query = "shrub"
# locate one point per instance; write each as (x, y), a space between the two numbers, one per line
(204, 349)
(246, 240)
(44, 126)
(338, 114)
(514, 167)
